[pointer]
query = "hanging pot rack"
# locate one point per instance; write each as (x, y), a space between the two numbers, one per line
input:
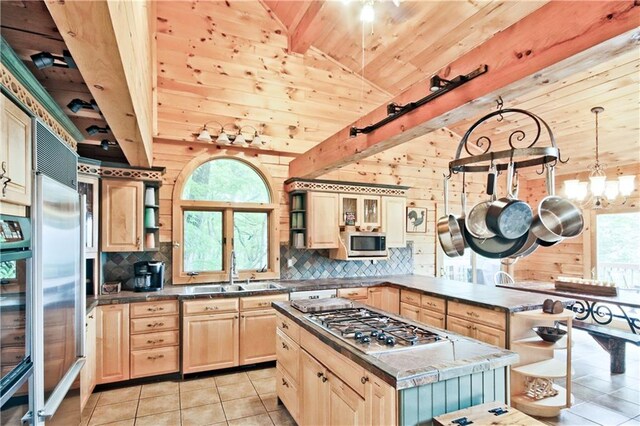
(528, 155)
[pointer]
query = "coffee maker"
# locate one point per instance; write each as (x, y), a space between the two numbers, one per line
(148, 276)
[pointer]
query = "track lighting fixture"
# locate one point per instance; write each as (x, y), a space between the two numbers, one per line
(94, 129)
(45, 60)
(104, 144)
(438, 83)
(77, 104)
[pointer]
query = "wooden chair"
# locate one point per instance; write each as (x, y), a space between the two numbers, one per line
(502, 277)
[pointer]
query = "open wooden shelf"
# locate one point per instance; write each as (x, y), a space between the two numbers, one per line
(546, 407)
(550, 368)
(538, 343)
(539, 315)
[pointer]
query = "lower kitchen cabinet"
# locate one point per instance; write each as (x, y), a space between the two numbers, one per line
(477, 331)
(381, 402)
(112, 343)
(153, 362)
(88, 374)
(314, 387)
(385, 298)
(257, 336)
(432, 318)
(210, 342)
(410, 311)
(346, 407)
(484, 324)
(375, 297)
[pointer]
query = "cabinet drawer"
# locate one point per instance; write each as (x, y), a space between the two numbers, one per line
(150, 309)
(410, 297)
(287, 391)
(288, 327)
(13, 319)
(287, 354)
(210, 306)
(349, 372)
(261, 302)
(146, 325)
(434, 319)
(433, 303)
(152, 362)
(353, 293)
(155, 340)
(476, 314)
(410, 311)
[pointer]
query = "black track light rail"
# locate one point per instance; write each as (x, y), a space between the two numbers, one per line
(441, 87)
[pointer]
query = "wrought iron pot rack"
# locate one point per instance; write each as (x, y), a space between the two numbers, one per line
(527, 156)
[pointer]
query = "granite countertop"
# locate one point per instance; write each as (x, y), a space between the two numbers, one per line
(411, 367)
(480, 295)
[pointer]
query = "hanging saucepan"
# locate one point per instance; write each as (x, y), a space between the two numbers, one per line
(509, 217)
(532, 242)
(449, 232)
(495, 247)
(557, 217)
(476, 221)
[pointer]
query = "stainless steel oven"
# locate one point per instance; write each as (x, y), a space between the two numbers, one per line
(365, 244)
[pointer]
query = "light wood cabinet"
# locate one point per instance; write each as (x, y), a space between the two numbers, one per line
(394, 221)
(349, 203)
(15, 155)
(359, 294)
(346, 407)
(287, 391)
(380, 398)
(410, 311)
(257, 336)
(370, 208)
(323, 220)
(315, 391)
(391, 300)
(89, 187)
(432, 318)
(112, 343)
(375, 296)
(122, 215)
(210, 342)
(486, 334)
(88, 374)
(460, 326)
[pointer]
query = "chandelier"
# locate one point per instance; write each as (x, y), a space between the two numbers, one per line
(599, 192)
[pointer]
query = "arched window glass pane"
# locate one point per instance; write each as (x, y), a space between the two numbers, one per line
(226, 180)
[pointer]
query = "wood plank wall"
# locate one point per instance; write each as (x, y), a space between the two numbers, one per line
(572, 257)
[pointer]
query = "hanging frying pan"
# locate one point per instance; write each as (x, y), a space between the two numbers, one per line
(449, 231)
(509, 217)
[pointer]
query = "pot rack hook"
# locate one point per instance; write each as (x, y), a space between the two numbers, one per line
(499, 105)
(560, 158)
(542, 169)
(447, 175)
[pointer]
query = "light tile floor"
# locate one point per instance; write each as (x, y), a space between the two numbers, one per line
(248, 397)
(239, 398)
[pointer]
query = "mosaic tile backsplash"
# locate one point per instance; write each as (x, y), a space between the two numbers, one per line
(307, 264)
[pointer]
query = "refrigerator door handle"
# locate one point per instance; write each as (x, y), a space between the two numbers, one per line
(81, 311)
(61, 390)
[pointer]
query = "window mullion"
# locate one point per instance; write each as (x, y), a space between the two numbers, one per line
(228, 238)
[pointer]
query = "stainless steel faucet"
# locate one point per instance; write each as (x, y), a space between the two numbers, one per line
(232, 267)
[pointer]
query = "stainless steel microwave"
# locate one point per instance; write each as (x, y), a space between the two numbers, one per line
(365, 244)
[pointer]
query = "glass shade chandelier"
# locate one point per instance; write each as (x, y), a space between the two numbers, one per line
(237, 137)
(599, 192)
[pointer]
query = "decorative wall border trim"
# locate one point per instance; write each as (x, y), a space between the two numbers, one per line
(345, 188)
(120, 172)
(18, 81)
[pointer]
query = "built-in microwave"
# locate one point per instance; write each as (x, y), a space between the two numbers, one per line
(365, 244)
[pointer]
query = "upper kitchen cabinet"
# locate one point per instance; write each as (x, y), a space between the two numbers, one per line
(323, 225)
(15, 154)
(393, 221)
(89, 187)
(363, 209)
(122, 215)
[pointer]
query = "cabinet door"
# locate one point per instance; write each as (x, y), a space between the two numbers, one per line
(346, 407)
(460, 326)
(381, 402)
(209, 342)
(323, 220)
(88, 374)
(410, 311)
(435, 319)
(88, 186)
(394, 220)
(122, 211)
(489, 335)
(314, 406)
(349, 204)
(15, 154)
(391, 300)
(257, 336)
(112, 343)
(369, 211)
(375, 297)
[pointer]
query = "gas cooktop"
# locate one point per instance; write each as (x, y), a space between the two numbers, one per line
(372, 332)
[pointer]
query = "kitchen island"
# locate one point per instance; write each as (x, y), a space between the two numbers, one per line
(327, 379)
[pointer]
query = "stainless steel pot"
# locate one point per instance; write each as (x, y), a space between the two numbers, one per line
(509, 217)
(476, 221)
(449, 231)
(557, 218)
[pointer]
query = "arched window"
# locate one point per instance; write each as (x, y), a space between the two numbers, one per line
(224, 209)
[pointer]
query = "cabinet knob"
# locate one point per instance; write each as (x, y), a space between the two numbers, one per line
(91, 316)
(285, 346)
(176, 244)
(285, 325)
(285, 383)
(138, 241)
(364, 379)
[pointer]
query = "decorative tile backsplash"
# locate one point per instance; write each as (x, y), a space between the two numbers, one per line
(119, 266)
(307, 264)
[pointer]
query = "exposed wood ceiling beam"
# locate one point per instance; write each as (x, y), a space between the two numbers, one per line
(520, 59)
(107, 41)
(300, 21)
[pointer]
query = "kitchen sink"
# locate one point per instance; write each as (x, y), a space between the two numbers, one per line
(218, 288)
(262, 286)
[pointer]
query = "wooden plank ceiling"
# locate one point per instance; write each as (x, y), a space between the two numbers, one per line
(29, 29)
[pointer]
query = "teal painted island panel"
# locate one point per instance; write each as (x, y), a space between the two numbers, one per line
(419, 405)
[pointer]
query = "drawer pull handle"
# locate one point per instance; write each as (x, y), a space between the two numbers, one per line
(322, 376)
(155, 309)
(469, 327)
(364, 379)
(153, 342)
(153, 358)
(284, 325)
(18, 338)
(352, 294)
(473, 314)
(285, 346)
(156, 324)
(91, 316)
(210, 308)
(285, 383)
(263, 304)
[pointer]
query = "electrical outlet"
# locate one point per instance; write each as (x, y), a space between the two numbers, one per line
(290, 263)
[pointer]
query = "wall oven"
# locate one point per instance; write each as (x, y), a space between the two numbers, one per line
(16, 366)
(365, 244)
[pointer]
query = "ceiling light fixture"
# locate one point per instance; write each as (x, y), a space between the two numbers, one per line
(367, 13)
(438, 83)
(106, 143)
(77, 104)
(224, 137)
(45, 60)
(598, 192)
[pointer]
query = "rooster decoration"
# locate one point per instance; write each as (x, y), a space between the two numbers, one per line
(414, 220)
